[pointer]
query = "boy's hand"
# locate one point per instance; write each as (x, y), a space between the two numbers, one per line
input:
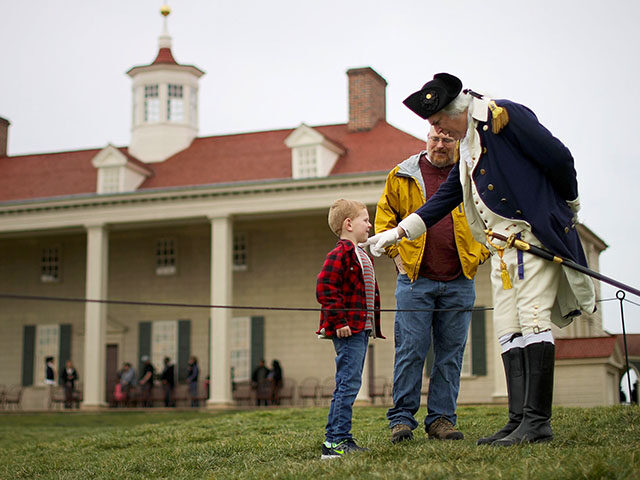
(343, 332)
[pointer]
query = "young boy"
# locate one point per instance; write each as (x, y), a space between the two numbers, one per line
(348, 292)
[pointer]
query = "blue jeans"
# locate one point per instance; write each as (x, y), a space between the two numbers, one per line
(350, 353)
(413, 333)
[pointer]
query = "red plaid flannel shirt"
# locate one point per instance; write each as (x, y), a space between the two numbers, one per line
(341, 285)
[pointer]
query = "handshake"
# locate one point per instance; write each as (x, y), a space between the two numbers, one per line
(411, 227)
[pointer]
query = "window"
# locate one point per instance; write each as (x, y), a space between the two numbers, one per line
(175, 105)
(306, 162)
(50, 264)
(164, 342)
(165, 256)
(240, 348)
(151, 104)
(239, 252)
(134, 107)
(47, 342)
(109, 179)
(193, 106)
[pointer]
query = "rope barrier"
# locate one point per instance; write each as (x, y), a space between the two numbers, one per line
(11, 296)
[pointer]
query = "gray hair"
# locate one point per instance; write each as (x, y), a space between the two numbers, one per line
(458, 105)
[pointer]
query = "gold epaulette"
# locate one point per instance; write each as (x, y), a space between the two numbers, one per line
(500, 117)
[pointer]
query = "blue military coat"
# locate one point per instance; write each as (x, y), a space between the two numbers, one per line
(523, 173)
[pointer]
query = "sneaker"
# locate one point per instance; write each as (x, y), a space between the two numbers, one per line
(348, 446)
(443, 429)
(328, 451)
(400, 433)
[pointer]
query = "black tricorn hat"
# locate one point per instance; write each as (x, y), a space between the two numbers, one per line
(434, 95)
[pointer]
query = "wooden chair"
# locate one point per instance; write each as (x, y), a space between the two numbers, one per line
(380, 388)
(56, 396)
(326, 390)
(287, 390)
(243, 393)
(13, 397)
(308, 390)
(264, 392)
(77, 396)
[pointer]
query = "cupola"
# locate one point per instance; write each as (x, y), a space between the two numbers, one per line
(165, 103)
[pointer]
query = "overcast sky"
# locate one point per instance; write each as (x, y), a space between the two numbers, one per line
(272, 65)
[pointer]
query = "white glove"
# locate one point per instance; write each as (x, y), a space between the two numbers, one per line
(413, 226)
(380, 241)
(574, 205)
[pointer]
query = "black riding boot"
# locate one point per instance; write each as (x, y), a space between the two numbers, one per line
(536, 421)
(513, 361)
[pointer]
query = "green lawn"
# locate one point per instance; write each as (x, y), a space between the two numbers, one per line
(597, 443)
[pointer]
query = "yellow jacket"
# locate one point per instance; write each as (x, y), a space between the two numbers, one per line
(404, 194)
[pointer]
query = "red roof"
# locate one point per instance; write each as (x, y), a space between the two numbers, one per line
(633, 343)
(165, 56)
(597, 347)
(220, 159)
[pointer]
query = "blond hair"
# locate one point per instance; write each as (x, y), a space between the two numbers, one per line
(340, 211)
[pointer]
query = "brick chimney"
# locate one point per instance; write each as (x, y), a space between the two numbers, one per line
(4, 136)
(367, 98)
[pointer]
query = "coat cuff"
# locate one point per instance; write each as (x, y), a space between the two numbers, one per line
(413, 226)
(574, 205)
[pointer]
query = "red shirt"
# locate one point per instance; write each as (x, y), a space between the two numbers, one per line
(440, 261)
(340, 289)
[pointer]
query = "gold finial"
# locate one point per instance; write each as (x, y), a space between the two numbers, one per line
(165, 10)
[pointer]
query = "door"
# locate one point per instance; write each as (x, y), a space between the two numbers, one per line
(112, 371)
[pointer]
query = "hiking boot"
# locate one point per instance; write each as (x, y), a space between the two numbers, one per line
(443, 429)
(400, 433)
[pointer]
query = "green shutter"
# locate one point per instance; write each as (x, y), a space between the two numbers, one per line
(28, 354)
(144, 342)
(64, 349)
(184, 348)
(478, 343)
(257, 341)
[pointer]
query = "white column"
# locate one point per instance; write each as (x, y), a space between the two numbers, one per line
(95, 319)
(221, 294)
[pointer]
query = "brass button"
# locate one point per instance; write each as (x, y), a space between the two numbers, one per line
(482, 171)
(484, 150)
(485, 128)
(503, 200)
(519, 212)
(490, 186)
(566, 229)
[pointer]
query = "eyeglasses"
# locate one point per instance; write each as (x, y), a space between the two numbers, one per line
(446, 141)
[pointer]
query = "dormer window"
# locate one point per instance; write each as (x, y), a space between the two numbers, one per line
(305, 162)
(175, 104)
(151, 104)
(312, 154)
(109, 179)
(116, 172)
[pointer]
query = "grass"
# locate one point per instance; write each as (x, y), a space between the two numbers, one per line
(596, 443)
